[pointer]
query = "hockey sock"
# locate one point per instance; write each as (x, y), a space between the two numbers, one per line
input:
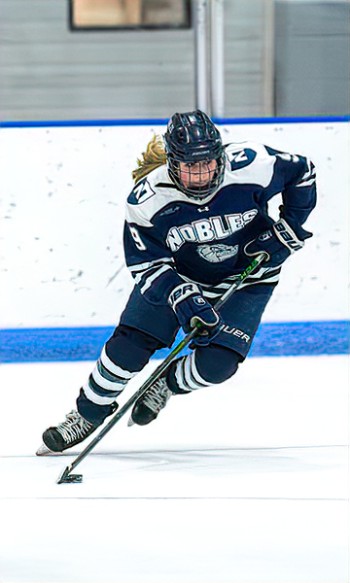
(202, 368)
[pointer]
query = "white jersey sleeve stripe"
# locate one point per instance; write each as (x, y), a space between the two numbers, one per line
(306, 183)
(150, 280)
(149, 264)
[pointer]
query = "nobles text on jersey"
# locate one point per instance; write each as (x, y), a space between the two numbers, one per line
(211, 229)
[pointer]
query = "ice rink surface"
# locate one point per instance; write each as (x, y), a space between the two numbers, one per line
(243, 483)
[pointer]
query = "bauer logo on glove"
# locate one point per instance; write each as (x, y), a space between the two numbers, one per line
(287, 236)
(277, 243)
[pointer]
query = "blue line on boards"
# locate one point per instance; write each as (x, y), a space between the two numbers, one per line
(274, 339)
(163, 121)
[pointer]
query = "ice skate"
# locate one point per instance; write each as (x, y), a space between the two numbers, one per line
(65, 435)
(147, 408)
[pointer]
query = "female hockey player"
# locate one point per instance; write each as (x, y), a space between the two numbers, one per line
(195, 218)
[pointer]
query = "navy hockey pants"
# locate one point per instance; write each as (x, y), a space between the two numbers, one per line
(144, 328)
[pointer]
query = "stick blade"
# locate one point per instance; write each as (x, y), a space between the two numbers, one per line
(67, 478)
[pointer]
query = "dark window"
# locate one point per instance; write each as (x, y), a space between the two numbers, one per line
(128, 14)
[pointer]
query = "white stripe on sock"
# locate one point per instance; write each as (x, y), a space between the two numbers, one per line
(106, 384)
(114, 368)
(186, 375)
(94, 398)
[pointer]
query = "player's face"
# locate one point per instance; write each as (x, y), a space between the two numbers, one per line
(197, 174)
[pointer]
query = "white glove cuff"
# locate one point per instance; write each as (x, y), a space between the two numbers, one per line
(286, 236)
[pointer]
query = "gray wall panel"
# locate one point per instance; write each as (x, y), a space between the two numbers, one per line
(312, 58)
(244, 65)
(49, 72)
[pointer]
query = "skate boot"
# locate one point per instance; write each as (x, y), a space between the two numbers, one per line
(67, 434)
(147, 408)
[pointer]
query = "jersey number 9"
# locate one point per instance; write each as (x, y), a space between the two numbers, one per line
(137, 239)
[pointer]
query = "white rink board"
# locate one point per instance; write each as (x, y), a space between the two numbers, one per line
(63, 191)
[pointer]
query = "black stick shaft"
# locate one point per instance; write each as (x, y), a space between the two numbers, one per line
(121, 412)
(162, 367)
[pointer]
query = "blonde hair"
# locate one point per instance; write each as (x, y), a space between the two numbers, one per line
(152, 158)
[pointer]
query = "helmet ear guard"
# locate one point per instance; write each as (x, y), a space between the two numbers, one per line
(190, 138)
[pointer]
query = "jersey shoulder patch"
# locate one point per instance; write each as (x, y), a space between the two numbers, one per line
(150, 195)
(249, 163)
(240, 155)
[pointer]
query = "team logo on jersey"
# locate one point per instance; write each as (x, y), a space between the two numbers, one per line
(242, 158)
(210, 229)
(217, 253)
(141, 192)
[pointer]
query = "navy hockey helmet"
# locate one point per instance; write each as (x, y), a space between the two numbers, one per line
(190, 138)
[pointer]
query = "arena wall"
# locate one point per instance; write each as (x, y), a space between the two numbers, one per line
(63, 189)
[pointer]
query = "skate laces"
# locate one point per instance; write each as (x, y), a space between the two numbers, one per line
(157, 396)
(74, 427)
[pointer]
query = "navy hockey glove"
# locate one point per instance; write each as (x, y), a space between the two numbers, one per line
(192, 311)
(277, 243)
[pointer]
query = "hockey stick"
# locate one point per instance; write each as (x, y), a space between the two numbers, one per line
(66, 476)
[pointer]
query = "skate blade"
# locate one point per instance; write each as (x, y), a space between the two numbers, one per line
(43, 450)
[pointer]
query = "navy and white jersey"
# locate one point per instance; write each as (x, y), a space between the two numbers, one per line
(170, 238)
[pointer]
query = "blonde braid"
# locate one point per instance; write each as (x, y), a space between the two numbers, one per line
(152, 158)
